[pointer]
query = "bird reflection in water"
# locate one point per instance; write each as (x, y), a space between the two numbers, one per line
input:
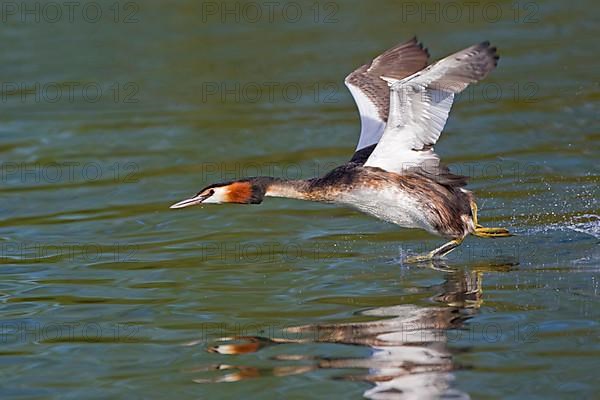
(410, 357)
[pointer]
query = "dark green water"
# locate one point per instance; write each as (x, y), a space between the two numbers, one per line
(106, 121)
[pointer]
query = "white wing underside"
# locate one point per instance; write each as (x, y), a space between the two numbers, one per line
(371, 124)
(372, 94)
(417, 117)
(419, 107)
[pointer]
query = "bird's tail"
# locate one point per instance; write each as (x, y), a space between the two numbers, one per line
(483, 232)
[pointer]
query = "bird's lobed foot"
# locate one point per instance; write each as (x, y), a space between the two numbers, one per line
(492, 232)
(419, 259)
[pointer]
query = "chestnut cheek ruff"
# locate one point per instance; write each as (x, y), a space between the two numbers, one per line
(240, 192)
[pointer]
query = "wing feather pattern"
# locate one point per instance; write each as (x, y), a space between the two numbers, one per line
(419, 107)
(372, 94)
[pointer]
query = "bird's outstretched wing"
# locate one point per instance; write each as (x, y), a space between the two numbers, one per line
(372, 94)
(419, 107)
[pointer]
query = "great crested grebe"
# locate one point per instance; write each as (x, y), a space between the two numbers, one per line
(394, 174)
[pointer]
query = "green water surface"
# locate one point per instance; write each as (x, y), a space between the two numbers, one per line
(107, 119)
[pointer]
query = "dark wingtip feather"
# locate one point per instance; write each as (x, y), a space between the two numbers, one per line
(425, 49)
(421, 46)
(492, 51)
(494, 54)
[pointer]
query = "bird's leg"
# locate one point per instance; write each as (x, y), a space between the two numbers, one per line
(436, 253)
(481, 231)
(446, 248)
(474, 212)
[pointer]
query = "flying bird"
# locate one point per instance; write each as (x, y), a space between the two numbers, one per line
(394, 174)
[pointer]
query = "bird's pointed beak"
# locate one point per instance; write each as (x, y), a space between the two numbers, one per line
(190, 202)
